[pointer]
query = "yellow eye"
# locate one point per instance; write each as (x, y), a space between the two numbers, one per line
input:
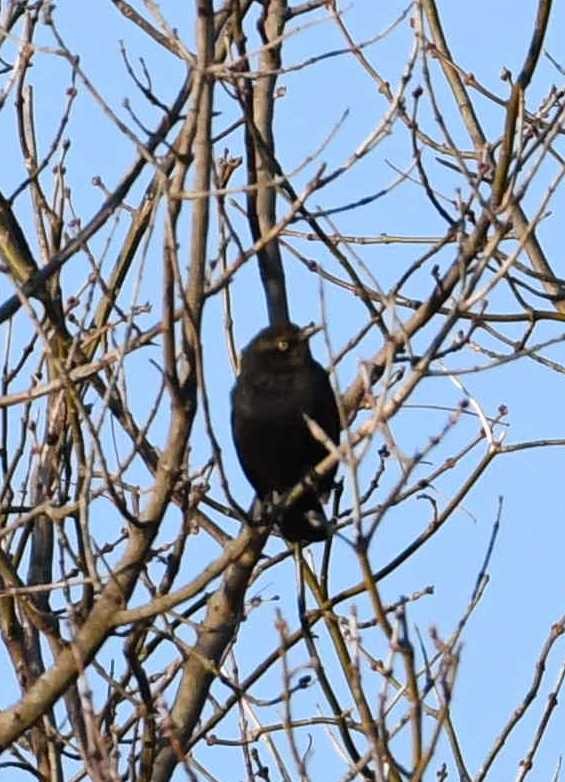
(282, 345)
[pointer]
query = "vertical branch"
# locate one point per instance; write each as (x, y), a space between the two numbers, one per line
(193, 294)
(258, 107)
(270, 263)
(202, 159)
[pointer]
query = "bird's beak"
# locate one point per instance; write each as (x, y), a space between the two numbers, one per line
(309, 331)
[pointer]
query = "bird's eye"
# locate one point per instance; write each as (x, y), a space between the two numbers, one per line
(282, 345)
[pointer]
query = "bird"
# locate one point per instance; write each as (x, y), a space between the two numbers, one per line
(279, 387)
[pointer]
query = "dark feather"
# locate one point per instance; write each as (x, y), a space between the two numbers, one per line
(279, 382)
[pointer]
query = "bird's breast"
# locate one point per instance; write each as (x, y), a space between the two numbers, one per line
(282, 396)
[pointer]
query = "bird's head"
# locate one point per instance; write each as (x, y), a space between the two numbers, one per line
(280, 348)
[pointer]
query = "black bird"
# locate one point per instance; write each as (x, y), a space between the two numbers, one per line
(279, 382)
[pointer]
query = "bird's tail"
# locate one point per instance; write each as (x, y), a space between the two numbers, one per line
(305, 520)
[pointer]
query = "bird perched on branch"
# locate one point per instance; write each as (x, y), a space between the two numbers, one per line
(279, 388)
